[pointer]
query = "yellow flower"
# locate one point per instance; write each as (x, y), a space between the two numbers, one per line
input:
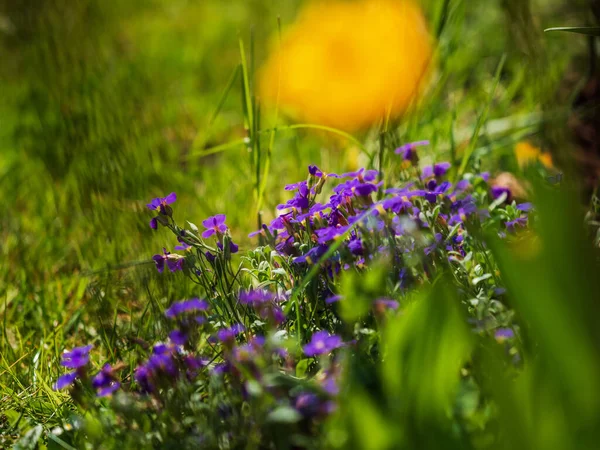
(528, 154)
(348, 64)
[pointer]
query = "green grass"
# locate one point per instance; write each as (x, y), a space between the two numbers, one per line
(105, 107)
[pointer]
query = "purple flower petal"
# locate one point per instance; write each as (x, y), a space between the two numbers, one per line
(170, 198)
(109, 390)
(192, 305)
(78, 357)
(208, 233)
(178, 337)
(525, 207)
(65, 380)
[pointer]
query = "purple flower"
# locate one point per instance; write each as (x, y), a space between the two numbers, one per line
(438, 239)
(408, 151)
(105, 382)
(434, 191)
(525, 207)
(154, 223)
(142, 377)
(327, 234)
(308, 404)
(174, 262)
(178, 337)
(220, 368)
(512, 225)
(362, 174)
(211, 258)
(263, 302)
(300, 200)
(183, 247)
(315, 171)
(257, 297)
(312, 256)
(438, 170)
(160, 203)
(503, 334)
(192, 305)
(233, 248)
(78, 357)
(355, 246)
(228, 334)
(365, 189)
(65, 380)
(321, 343)
(333, 299)
(386, 303)
(214, 224)
(497, 191)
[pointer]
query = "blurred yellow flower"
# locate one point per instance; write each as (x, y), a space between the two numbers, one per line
(527, 154)
(348, 64)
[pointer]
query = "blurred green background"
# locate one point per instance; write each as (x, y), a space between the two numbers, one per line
(105, 105)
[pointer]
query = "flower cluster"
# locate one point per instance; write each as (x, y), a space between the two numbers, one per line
(270, 333)
(362, 220)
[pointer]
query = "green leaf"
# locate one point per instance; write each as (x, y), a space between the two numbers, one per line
(422, 368)
(552, 279)
(30, 440)
(588, 31)
(359, 290)
(301, 368)
(284, 414)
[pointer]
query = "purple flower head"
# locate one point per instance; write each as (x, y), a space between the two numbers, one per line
(105, 382)
(65, 380)
(214, 224)
(386, 303)
(142, 377)
(438, 239)
(227, 335)
(193, 364)
(437, 170)
(434, 191)
(355, 246)
(178, 337)
(161, 362)
(209, 256)
(300, 200)
(160, 203)
(78, 357)
(462, 186)
(312, 256)
(220, 368)
(315, 171)
(512, 225)
(174, 262)
(321, 343)
(154, 223)
(365, 189)
(257, 297)
(503, 334)
(408, 151)
(183, 247)
(233, 248)
(327, 234)
(333, 299)
(186, 306)
(497, 191)
(308, 404)
(525, 207)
